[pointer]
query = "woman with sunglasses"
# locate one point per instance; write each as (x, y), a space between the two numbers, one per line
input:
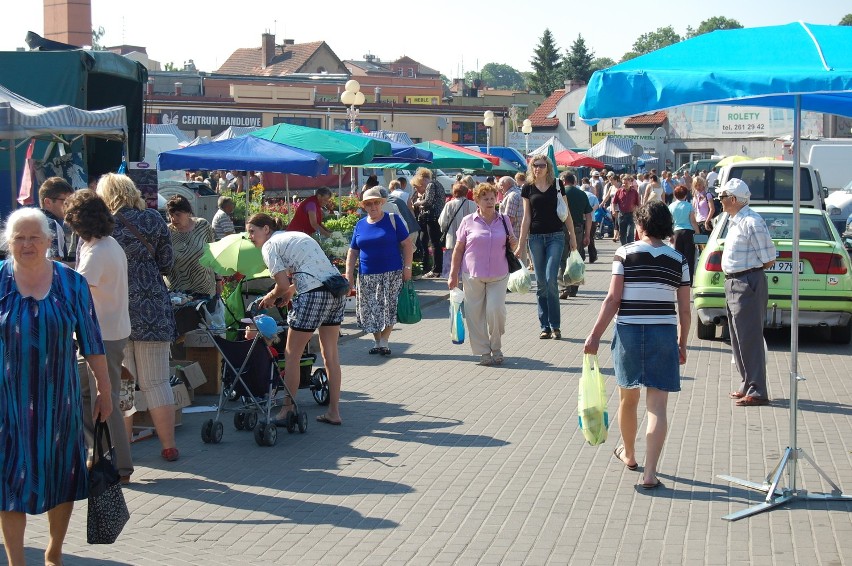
(542, 228)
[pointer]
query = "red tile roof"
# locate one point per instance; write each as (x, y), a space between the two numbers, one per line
(539, 118)
(654, 119)
(286, 60)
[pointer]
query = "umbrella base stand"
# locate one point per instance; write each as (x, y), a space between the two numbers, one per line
(776, 496)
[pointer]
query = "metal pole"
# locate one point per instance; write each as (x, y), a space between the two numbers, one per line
(487, 140)
(794, 305)
(13, 176)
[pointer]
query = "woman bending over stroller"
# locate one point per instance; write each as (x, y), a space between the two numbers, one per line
(297, 255)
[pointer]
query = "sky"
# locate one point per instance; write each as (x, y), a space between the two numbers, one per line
(451, 36)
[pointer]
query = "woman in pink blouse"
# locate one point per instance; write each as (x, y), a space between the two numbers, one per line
(481, 250)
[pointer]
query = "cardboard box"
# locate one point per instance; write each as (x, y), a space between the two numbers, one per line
(190, 373)
(142, 420)
(181, 398)
(210, 361)
(197, 339)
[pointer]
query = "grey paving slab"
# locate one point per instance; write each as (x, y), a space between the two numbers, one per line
(441, 461)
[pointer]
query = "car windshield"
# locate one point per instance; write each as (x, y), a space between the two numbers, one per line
(780, 224)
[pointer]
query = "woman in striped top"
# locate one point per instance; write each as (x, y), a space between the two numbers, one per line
(648, 279)
(189, 234)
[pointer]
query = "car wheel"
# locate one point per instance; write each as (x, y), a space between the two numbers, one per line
(842, 334)
(705, 331)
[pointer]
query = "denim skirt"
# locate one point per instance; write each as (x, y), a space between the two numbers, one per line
(646, 354)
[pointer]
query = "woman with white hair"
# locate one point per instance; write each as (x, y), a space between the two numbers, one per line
(43, 305)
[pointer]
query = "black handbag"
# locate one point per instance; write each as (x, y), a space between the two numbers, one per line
(511, 259)
(107, 509)
(337, 285)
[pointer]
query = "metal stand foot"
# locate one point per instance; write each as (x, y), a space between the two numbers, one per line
(776, 496)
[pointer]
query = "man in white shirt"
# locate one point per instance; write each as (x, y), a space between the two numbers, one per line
(748, 251)
(711, 178)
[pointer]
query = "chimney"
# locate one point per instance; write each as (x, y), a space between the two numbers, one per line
(178, 89)
(150, 87)
(267, 49)
(458, 86)
(572, 85)
(68, 21)
(378, 94)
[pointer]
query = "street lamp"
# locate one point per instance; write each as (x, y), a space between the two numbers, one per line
(488, 120)
(352, 97)
(526, 128)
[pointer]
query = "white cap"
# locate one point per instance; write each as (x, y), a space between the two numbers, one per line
(735, 187)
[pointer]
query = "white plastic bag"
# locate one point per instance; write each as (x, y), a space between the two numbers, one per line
(457, 316)
(520, 281)
(575, 270)
(215, 319)
(561, 208)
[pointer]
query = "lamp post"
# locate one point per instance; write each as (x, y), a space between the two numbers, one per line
(526, 128)
(488, 120)
(352, 98)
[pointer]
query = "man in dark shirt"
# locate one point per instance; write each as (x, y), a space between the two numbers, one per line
(581, 215)
(51, 196)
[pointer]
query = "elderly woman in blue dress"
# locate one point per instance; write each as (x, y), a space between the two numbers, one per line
(381, 247)
(43, 305)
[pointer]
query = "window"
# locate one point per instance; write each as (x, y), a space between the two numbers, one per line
(343, 124)
(469, 132)
(307, 122)
(399, 71)
(616, 123)
(570, 121)
(410, 72)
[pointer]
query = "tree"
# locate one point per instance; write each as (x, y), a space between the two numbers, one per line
(713, 24)
(577, 64)
(846, 21)
(654, 40)
(97, 34)
(601, 63)
(170, 66)
(547, 72)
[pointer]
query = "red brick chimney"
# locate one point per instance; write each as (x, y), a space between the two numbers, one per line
(68, 21)
(267, 49)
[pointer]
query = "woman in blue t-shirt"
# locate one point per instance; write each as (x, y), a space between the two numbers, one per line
(685, 227)
(382, 268)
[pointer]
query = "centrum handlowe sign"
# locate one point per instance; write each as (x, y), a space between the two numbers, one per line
(206, 120)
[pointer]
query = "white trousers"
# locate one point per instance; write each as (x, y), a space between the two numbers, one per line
(485, 312)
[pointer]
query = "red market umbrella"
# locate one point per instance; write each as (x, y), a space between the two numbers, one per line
(492, 158)
(568, 158)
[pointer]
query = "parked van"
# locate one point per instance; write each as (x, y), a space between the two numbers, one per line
(695, 167)
(155, 144)
(771, 182)
(834, 163)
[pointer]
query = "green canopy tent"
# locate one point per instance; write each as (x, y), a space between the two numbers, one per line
(442, 158)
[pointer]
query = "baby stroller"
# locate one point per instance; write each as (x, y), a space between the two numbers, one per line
(251, 378)
(603, 223)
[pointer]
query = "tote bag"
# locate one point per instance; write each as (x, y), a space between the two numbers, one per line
(591, 402)
(408, 305)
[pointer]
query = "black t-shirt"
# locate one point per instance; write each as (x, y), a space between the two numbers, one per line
(543, 208)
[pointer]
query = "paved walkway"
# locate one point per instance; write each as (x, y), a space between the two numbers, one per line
(441, 461)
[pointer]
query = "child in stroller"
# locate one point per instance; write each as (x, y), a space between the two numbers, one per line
(603, 223)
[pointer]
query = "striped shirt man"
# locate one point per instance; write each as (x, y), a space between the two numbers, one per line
(652, 276)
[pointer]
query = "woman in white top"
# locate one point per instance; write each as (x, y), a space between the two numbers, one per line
(453, 212)
(102, 261)
(653, 190)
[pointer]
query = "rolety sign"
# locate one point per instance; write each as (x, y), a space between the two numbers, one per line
(213, 121)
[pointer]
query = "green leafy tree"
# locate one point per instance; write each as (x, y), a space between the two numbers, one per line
(547, 71)
(654, 40)
(713, 24)
(170, 66)
(601, 63)
(846, 21)
(500, 75)
(97, 34)
(445, 80)
(577, 64)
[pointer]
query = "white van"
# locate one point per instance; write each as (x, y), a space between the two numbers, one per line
(771, 182)
(834, 163)
(155, 144)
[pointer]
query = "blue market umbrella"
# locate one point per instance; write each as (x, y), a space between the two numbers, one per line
(246, 153)
(798, 66)
(399, 152)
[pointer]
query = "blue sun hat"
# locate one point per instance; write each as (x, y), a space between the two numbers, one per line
(266, 326)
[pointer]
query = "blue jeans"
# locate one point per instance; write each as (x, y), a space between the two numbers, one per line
(546, 250)
(626, 228)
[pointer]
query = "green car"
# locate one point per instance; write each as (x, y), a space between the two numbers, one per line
(825, 281)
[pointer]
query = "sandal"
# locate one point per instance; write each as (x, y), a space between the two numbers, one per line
(375, 350)
(385, 351)
(545, 334)
(557, 334)
(170, 454)
(619, 450)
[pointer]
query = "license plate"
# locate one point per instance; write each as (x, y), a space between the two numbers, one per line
(786, 267)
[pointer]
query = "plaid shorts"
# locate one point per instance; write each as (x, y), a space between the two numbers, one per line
(314, 309)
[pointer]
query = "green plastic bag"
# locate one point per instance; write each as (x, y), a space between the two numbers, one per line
(575, 269)
(591, 402)
(408, 305)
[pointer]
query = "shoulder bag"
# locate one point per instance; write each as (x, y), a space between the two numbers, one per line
(444, 232)
(511, 259)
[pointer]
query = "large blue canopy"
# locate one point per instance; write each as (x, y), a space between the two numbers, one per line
(764, 66)
(246, 153)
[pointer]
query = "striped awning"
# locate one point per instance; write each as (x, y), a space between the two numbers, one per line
(616, 151)
(21, 118)
(388, 135)
(167, 129)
